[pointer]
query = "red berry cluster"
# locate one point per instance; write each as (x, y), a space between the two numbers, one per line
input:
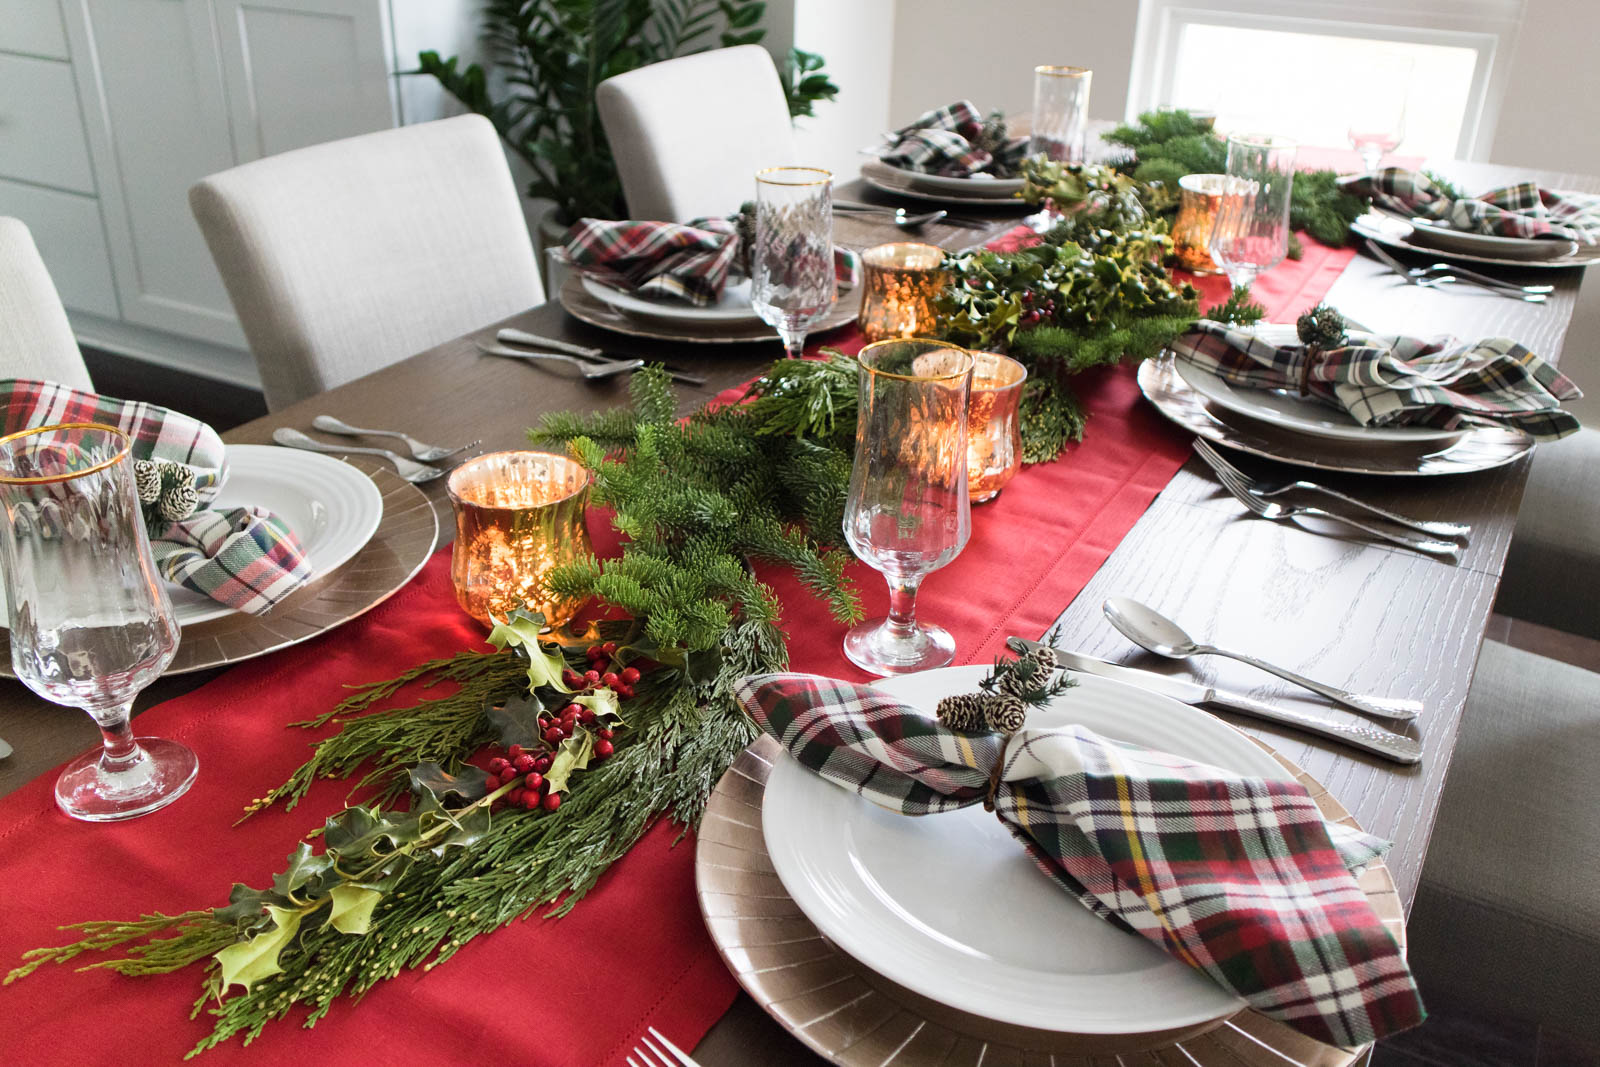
(602, 672)
(1034, 315)
(534, 792)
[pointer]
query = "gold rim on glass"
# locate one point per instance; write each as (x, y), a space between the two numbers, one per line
(926, 341)
(1055, 71)
(127, 445)
(1262, 140)
(762, 175)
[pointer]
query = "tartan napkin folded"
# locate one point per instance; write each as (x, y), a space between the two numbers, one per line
(952, 141)
(1239, 878)
(243, 557)
(1519, 210)
(690, 261)
(1396, 380)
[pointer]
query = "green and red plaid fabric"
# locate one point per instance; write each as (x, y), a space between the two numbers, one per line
(246, 557)
(1239, 878)
(1396, 380)
(946, 141)
(689, 261)
(1519, 210)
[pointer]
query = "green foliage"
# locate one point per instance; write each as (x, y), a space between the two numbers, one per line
(547, 58)
(1239, 309)
(1320, 207)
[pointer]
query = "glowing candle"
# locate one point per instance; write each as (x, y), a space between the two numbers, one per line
(994, 436)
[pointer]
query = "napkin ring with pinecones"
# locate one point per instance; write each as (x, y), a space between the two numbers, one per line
(166, 491)
(1002, 701)
(1321, 330)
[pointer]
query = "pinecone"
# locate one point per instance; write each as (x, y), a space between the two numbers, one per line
(1045, 658)
(178, 502)
(1006, 714)
(180, 475)
(962, 712)
(147, 478)
(1026, 678)
(1322, 327)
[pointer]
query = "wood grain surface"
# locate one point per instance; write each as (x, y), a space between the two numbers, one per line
(1344, 611)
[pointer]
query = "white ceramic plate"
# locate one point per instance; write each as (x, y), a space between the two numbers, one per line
(880, 175)
(951, 906)
(1438, 235)
(980, 185)
(1283, 408)
(734, 306)
(1397, 232)
(331, 506)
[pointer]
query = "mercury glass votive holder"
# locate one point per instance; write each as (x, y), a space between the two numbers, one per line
(518, 515)
(994, 431)
(1200, 198)
(900, 283)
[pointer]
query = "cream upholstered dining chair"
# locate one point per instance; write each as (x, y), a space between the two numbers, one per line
(689, 134)
(35, 338)
(345, 257)
(1552, 571)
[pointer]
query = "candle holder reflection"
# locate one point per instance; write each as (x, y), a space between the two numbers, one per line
(1201, 197)
(994, 431)
(518, 516)
(900, 282)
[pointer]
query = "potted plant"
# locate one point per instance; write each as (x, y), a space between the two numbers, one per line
(551, 55)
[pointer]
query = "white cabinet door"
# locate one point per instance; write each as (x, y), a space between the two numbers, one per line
(150, 78)
(300, 72)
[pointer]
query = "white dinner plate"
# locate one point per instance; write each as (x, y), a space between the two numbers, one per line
(1438, 235)
(879, 175)
(951, 906)
(733, 306)
(1285, 409)
(1396, 231)
(331, 507)
(977, 185)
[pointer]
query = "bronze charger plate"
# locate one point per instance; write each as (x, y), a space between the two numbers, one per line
(854, 1017)
(1480, 448)
(397, 550)
(582, 305)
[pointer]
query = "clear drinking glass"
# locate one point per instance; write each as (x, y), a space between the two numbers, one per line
(1251, 233)
(1377, 107)
(90, 621)
(908, 512)
(791, 266)
(1060, 112)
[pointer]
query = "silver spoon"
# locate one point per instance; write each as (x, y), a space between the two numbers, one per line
(426, 453)
(409, 469)
(899, 216)
(1150, 629)
(590, 371)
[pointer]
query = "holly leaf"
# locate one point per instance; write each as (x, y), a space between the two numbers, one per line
(573, 755)
(430, 778)
(349, 826)
(516, 719)
(304, 865)
(351, 911)
(603, 702)
(257, 958)
(520, 630)
(245, 905)
(467, 831)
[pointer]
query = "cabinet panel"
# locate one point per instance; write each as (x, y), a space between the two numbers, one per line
(41, 128)
(301, 72)
(158, 122)
(33, 27)
(66, 227)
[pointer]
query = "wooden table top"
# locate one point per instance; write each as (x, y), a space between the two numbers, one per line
(1357, 615)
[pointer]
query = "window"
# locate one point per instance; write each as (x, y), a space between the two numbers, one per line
(1309, 69)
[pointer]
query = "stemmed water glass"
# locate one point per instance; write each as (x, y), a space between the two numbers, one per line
(1251, 233)
(791, 266)
(1377, 107)
(90, 621)
(1060, 119)
(908, 512)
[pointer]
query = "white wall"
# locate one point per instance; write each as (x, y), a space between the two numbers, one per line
(856, 37)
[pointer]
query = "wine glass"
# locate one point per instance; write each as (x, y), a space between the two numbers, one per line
(791, 266)
(1251, 234)
(908, 512)
(1377, 108)
(1060, 118)
(90, 621)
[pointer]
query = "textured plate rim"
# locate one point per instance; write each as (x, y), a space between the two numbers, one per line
(1577, 260)
(625, 303)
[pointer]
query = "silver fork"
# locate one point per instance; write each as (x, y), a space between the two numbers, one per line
(1276, 512)
(409, 469)
(426, 453)
(1430, 278)
(590, 371)
(1216, 462)
(673, 1055)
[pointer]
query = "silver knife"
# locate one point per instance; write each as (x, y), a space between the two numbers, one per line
(509, 335)
(1368, 738)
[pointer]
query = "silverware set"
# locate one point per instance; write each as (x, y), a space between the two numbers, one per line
(1443, 275)
(1259, 498)
(408, 468)
(906, 220)
(592, 363)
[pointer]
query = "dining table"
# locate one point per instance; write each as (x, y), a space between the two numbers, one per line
(1360, 615)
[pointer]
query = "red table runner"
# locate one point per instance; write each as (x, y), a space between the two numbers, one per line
(575, 991)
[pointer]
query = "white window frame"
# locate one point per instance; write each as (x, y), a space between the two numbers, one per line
(1488, 27)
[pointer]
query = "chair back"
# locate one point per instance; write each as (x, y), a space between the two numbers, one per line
(35, 338)
(345, 257)
(689, 134)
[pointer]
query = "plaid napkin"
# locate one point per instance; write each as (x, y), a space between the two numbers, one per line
(1237, 877)
(243, 557)
(689, 261)
(1395, 380)
(948, 141)
(1520, 210)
